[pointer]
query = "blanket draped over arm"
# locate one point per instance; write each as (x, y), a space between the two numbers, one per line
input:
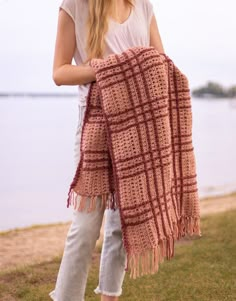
(137, 154)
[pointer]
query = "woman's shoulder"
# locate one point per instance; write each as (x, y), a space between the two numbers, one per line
(75, 3)
(144, 3)
(75, 8)
(146, 6)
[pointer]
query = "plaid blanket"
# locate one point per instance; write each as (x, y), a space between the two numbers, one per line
(137, 154)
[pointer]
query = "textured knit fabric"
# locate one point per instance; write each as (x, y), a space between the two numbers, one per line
(137, 153)
(135, 31)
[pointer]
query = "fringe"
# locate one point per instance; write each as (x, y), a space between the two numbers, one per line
(148, 261)
(189, 225)
(108, 201)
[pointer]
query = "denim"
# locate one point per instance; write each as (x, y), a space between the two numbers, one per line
(79, 246)
(80, 243)
(113, 256)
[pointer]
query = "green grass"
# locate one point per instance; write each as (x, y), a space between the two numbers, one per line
(203, 269)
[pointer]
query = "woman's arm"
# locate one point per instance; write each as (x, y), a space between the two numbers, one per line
(64, 73)
(155, 38)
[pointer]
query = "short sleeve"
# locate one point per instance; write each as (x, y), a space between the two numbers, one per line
(149, 10)
(69, 7)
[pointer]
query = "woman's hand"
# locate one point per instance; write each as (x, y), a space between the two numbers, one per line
(64, 73)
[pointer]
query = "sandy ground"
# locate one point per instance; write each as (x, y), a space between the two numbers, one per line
(42, 243)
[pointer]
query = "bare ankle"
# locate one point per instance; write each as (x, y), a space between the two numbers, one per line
(109, 298)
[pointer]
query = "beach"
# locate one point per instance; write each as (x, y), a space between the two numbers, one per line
(42, 243)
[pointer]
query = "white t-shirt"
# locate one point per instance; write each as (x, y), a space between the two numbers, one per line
(134, 31)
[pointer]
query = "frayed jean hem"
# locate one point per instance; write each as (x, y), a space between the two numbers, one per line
(99, 291)
(52, 295)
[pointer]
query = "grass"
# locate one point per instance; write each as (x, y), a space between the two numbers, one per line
(219, 196)
(203, 269)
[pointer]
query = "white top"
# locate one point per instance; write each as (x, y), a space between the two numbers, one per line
(120, 36)
(135, 31)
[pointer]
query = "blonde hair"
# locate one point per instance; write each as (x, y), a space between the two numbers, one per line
(97, 26)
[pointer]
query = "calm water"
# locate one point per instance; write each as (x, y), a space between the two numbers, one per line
(37, 149)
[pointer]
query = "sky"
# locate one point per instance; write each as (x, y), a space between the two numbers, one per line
(199, 36)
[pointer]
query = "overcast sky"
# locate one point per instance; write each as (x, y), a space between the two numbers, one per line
(199, 36)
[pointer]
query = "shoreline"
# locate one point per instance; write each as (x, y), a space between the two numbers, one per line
(43, 242)
(35, 226)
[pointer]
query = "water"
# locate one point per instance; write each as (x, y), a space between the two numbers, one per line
(37, 155)
(214, 125)
(37, 141)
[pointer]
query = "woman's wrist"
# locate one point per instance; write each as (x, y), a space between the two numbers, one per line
(93, 75)
(89, 74)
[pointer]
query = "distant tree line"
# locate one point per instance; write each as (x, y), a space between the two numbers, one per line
(216, 90)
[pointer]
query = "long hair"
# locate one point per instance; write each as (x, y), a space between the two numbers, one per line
(97, 25)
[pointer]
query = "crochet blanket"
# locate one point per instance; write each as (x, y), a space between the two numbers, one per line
(137, 154)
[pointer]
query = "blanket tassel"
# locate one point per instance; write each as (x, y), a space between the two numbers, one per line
(148, 262)
(189, 225)
(79, 201)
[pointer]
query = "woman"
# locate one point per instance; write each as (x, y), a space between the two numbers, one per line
(88, 29)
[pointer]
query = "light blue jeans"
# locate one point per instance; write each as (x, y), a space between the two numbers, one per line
(79, 246)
